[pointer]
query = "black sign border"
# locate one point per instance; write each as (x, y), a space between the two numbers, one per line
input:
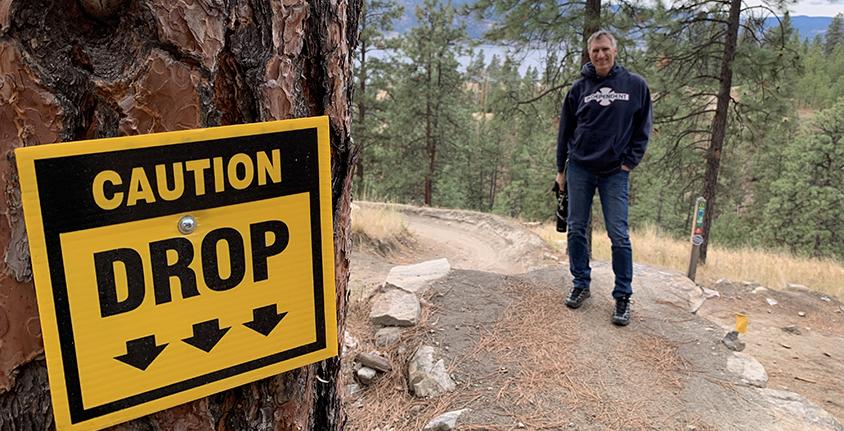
(78, 413)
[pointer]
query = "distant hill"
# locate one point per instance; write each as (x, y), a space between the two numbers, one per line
(807, 26)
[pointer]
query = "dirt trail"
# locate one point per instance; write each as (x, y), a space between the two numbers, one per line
(473, 248)
(464, 249)
(524, 361)
(469, 240)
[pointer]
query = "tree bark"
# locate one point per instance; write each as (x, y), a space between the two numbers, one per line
(430, 144)
(591, 24)
(85, 69)
(362, 77)
(719, 124)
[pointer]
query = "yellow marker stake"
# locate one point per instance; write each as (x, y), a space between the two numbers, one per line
(741, 323)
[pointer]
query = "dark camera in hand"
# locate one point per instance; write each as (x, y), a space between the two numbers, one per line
(561, 213)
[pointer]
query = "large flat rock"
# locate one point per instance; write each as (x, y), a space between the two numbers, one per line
(794, 412)
(417, 277)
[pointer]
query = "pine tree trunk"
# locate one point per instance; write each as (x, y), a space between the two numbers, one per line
(430, 145)
(361, 126)
(591, 24)
(719, 124)
(86, 69)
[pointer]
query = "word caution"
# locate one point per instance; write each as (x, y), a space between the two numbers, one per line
(111, 190)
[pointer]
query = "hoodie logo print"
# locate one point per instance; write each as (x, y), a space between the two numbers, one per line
(605, 96)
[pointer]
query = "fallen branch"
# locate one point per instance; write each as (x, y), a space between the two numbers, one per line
(803, 379)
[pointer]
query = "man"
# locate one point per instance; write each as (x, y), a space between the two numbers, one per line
(604, 128)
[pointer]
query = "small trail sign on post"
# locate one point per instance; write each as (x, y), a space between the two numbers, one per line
(697, 236)
(172, 266)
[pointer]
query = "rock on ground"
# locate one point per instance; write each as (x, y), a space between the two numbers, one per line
(444, 422)
(797, 288)
(388, 336)
(426, 377)
(416, 278)
(374, 361)
(395, 307)
(792, 329)
(349, 342)
(353, 389)
(748, 368)
(732, 341)
(675, 289)
(797, 413)
(366, 375)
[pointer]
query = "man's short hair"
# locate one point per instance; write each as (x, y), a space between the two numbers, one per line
(599, 34)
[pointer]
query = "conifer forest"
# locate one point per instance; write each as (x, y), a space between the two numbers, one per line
(457, 106)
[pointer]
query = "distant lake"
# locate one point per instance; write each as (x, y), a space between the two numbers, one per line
(526, 58)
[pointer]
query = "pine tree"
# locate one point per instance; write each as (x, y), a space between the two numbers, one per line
(427, 111)
(834, 37)
(561, 28)
(530, 131)
(376, 21)
(705, 53)
(804, 211)
(823, 82)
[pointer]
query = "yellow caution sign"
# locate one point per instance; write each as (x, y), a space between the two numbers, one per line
(172, 266)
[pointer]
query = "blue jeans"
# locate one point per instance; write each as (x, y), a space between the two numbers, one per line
(613, 190)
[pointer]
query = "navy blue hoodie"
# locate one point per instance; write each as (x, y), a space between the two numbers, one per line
(605, 121)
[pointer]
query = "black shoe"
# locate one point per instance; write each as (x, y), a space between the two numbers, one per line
(576, 297)
(621, 316)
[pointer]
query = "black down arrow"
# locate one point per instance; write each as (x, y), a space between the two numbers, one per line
(206, 335)
(265, 319)
(141, 352)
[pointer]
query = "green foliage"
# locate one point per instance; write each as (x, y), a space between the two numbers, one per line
(823, 82)
(483, 136)
(425, 110)
(834, 37)
(804, 212)
(526, 141)
(371, 73)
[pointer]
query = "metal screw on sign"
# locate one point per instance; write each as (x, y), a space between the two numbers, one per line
(187, 224)
(697, 236)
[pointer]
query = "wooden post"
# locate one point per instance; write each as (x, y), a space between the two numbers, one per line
(697, 236)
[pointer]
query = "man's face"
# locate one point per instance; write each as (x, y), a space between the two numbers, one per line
(602, 55)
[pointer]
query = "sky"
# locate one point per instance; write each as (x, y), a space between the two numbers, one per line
(816, 7)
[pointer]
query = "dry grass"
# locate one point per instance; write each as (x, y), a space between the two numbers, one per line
(388, 404)
(773, 270)
(382, 224)
(380, 229)
(534, 346)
